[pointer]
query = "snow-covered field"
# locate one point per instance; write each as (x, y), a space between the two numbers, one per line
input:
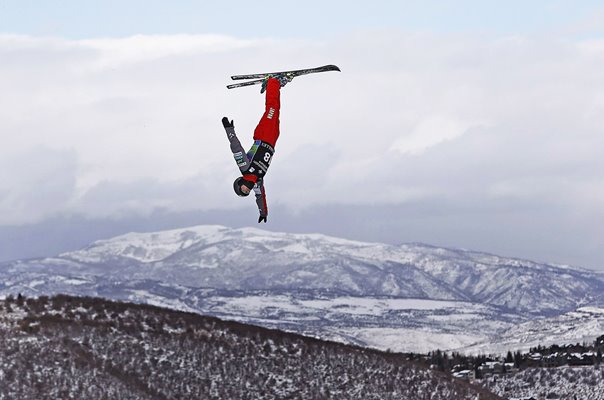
(402, 325)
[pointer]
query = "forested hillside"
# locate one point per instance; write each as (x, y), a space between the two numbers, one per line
(73, 348)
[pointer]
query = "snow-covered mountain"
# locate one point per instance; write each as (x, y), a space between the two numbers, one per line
(249, 259)
(320, 285)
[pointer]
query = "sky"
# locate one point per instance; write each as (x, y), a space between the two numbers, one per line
(472, 124)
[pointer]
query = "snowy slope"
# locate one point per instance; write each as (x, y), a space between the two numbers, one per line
(579, 326)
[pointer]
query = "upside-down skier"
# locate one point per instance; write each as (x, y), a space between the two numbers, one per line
(254, 164)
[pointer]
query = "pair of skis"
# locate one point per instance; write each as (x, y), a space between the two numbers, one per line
(259, 78)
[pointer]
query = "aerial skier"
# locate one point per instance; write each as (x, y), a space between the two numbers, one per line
(254, 164)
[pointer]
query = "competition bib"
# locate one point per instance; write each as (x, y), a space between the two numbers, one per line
(260, 156)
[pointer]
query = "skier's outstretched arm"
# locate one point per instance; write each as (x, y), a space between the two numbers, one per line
(261, 201)
(236, 148)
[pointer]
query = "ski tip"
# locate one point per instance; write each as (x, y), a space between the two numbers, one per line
(331, 67)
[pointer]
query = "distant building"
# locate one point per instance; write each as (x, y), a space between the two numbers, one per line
(465, 374)
(534, 360)
(491, 367)
(510, 367)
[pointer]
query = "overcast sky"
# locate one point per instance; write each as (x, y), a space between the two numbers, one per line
(476, 124)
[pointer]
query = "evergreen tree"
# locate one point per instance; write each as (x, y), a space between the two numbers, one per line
(509, 358)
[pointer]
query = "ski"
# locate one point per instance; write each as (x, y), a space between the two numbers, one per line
(295, 72)
(242, 84)
(259, 78)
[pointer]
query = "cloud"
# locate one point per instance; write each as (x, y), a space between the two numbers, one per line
(35, 184)
(134, 124)
(430, 132)
(117, 53)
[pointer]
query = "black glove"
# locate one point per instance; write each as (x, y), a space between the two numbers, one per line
(227, 124)
(262, 218)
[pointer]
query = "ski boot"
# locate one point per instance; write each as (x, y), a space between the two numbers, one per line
(283, 78)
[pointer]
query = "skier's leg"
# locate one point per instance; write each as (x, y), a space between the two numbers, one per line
(268, 127)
